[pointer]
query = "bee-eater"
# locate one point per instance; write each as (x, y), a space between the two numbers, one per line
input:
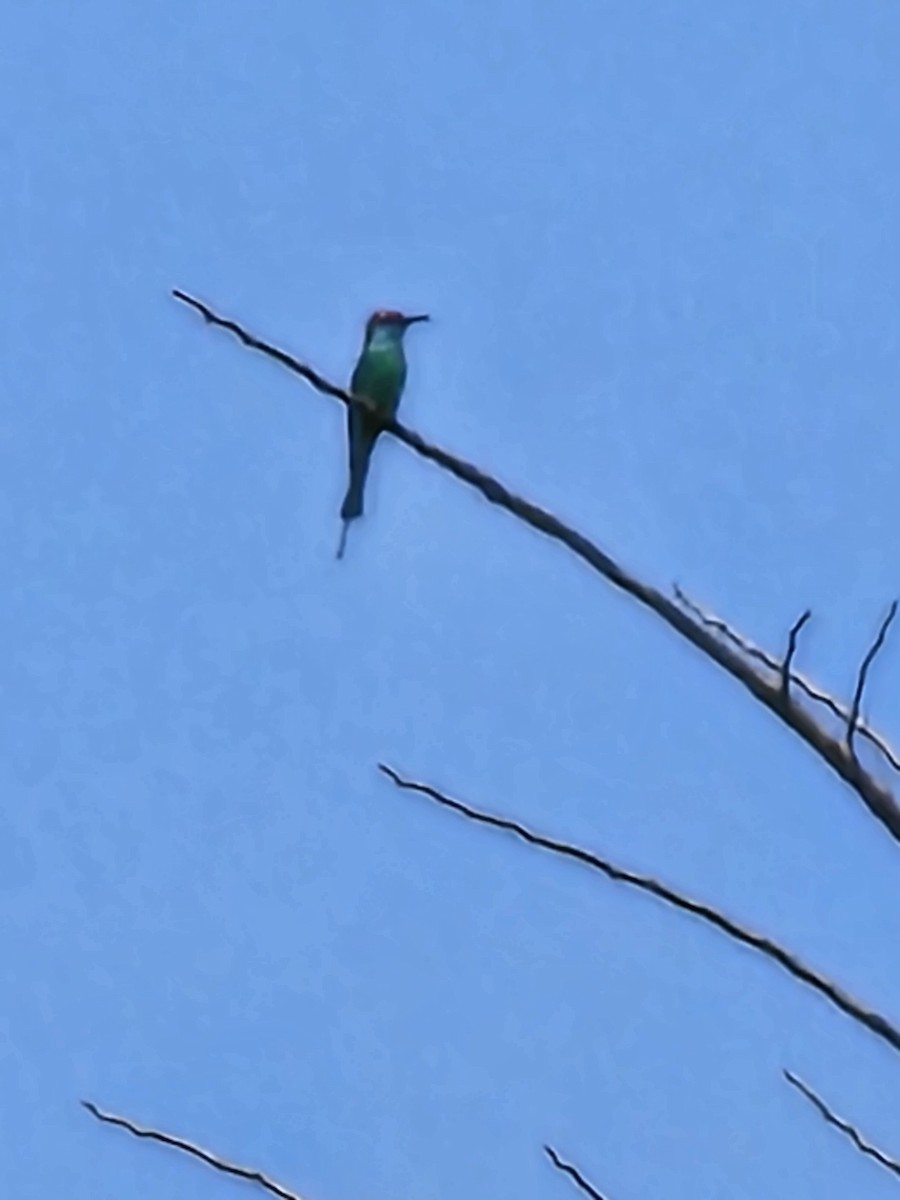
(379, 377)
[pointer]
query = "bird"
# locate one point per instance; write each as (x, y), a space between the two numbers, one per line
(378, 377)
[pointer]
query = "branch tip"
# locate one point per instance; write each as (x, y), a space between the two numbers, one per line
(206, 1156)
(863, 675)
(791, 651)
(573, 1173)
(789, 962)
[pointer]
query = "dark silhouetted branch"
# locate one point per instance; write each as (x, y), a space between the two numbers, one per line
(864, 1147)
(841, 711)
(792, 650)
(836, 995)
(573, 1173)
(864, 674)
(319, 382)
(211, 1160)
(766, 689)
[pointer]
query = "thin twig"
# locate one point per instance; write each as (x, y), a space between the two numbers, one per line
(841, 711)
(206, 1156)
(864, 673)
(792, 650)
(864, 1146)
(832, 992)
(711, 621)
(876, 797)
(573, 1173)
(319, 382)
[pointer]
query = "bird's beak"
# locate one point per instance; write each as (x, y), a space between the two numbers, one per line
(415, 320)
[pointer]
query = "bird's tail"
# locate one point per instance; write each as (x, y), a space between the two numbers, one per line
(352, 507)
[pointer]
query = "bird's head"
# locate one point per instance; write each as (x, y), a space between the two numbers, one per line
(390, 323)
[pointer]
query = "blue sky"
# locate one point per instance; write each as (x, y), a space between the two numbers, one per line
(659, 244)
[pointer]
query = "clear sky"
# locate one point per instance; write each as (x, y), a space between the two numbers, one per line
(659, 242)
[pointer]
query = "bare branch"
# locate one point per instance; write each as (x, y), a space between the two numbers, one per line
(319, 382)
(573, 1173)
(864, 673)
(792, 650)
(794, 966)
(206, 1156)
(864, 1147)
(876, 797)
(841, 711)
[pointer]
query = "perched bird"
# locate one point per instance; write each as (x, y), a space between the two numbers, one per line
(379, 377)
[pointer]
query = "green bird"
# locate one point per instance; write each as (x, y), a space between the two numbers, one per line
(379, 376)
